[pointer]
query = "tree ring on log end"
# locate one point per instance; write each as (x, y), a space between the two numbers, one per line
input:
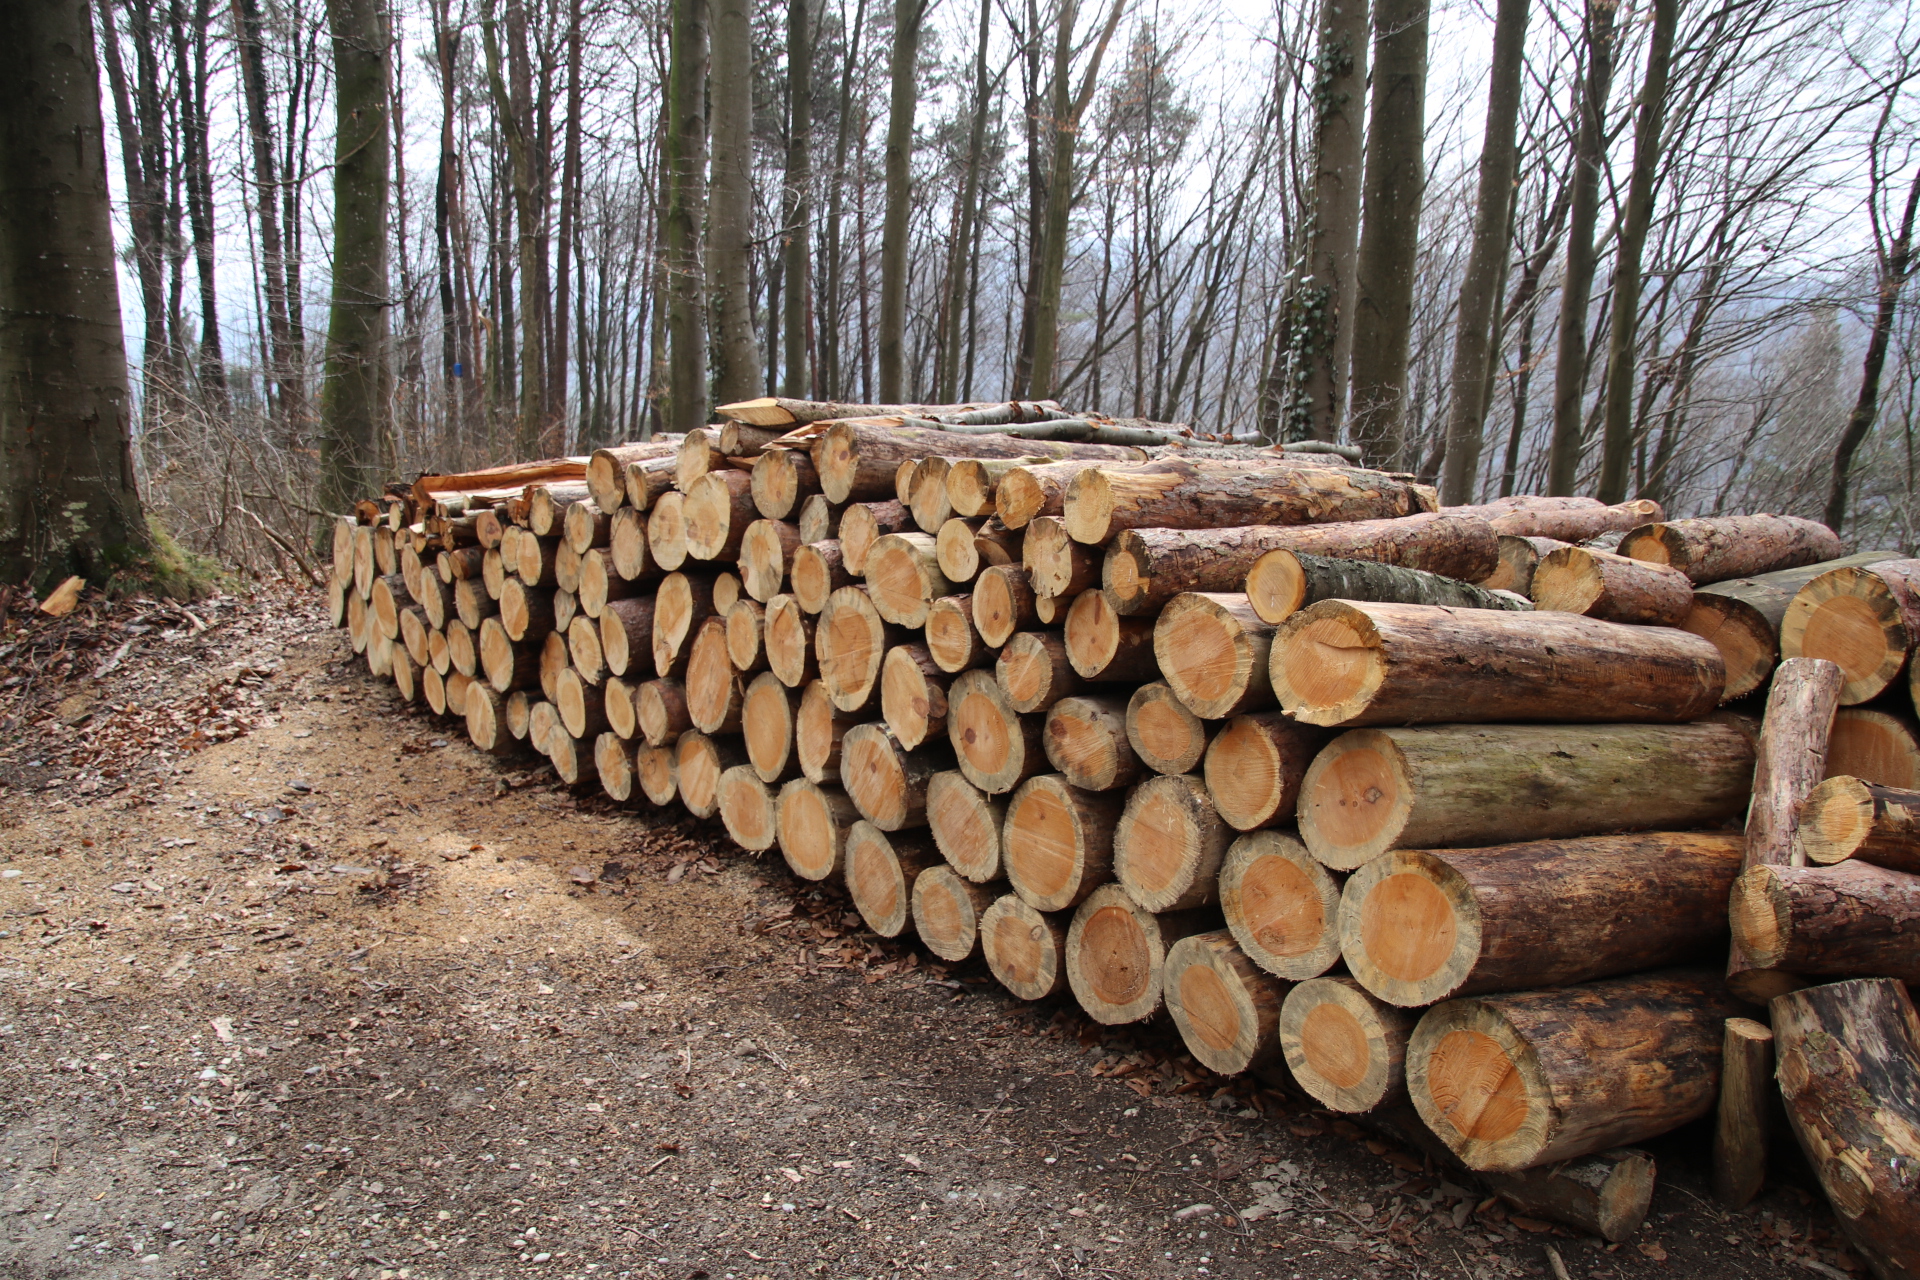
(875, 880)
(812, 835)
(1355, 799)
(944, 914)
(1478, 1086)
(1045, 845)
(1409, 928)
(1024, 949)
(1340, 1047)
(1169, 843)
(966, 825)
(1326, 663)
(1281, 905)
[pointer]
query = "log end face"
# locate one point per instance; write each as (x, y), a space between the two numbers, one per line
(1326, 663)
(1567, 581)
(1835, 820)
(966, 829)
(810, 838)
(875, 881)
(1761, 913)
(1111, 961)
(1203, 654)
(1280, 905)
(1166, 736)
(835, 457)
(1081, 746)
(1478, 1087)
(1161, 844)
(949, 636)
(1848, 617)
(1023, 949)
(984, 732)
(747, 809)
(1409, 928)
(870, 773)
(943, 914)
(1276, 586)
(1042, 845)
(1744, 638)
(1126, 576)
(1337, 1047)
(1355, 800)
(1088, 507)
(1210, 1006)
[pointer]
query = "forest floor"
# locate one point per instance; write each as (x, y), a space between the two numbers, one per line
(295, 983)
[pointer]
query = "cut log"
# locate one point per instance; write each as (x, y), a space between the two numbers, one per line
(413, 634)
(765, 550)
(817, 734)
(881, 869)
(494, 569)
(1842, 921)
(1145, 568)
(565, 606)
(1742, 617)
(389, 600)
(1792, 756)
(1281, 904)
(742, 440)
(519, 712)
(813, 822)
(487, 721)
(904, 578)
(1866, 618)
(819, 519)
(1226, 1008)
(965, 547)
(1846, 818)
(702, 759)
(1419, 925)
(646, 481)
(887, 782)
(1052, 611)
(1874, 746)
(1213, 650)
(471, 603)
(682, 603)
(857, 458)
(1349, 663)
(1102, 645)
(1034, 671)
(1606, 1194)
(1169, 844)
(1290, 581)
(626, 634)
(1539, 518)
(966, 824)
(1743, 1118)
(433, 688)
(1027, 490)
(782, 480)
(865, 523)
(543, 725)
(660, 711)
(818, 571)
(585, 525)
(536, 560)
(405, 673)
(1086, 740)
(850, 642)
(363, 561)
(606, 469)
(747, 809)
(1056, 565)
(439, 657)
(1345, 1047)
(746, 624)
(613, 765)
(1002, 604)
(1116, 954)
(1850, 1074)
(972, 483)
(928, 501)
(1717, 548)
(627, 545)
(767, 718)
(726, 592)
(715, 691)
(599, 583)
(583, 647)
(526, 612)
(1166, 736)
(554, 658)
(699, 454)
(1025, 950)
(947, 910)
(385, 558)
(913, 696)
(657, 769)
(718, 510)
(622, 718)
(507, 665)
(1183, 493)
(787, 635)
(463, 652)
(667, 531)
(1602, 585)
(1058, 842)
(572, 758)
(1513, 1081)
(436, 600)
(952, 639)
(1255, 765)
(997, 747)
(582, 707)
(1371, 790)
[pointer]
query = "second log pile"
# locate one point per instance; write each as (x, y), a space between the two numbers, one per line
(1437, 812)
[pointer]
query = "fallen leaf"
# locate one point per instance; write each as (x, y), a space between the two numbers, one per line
(1654, 1251)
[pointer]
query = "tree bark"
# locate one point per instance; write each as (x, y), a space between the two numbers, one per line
(1614, 588)
(902, 70)
(737, 371)
(1845, 817)
(1182, 494)
(1589, 157)
(1841, 921)
(797, 213)
(686, 213)
(1290, 581)
(1715, 549)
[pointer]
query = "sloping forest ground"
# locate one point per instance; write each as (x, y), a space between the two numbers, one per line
(295, 983)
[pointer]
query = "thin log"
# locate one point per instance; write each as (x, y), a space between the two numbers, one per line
(1849, 818)
(913, 696)
(585, 525)
(1182, 493)
(644, 482)
(788, 637)
(819, 519)
(1166, 736)
(682, 603)
(857, 458)
(1281, 904)
(1743, 1118)
(1346, 1047)
(715, 691)
(952, 639)
(623, 718)
(486, 721)
(1055, 563)
(1002, 604)
(768, 715)
(660, 711)
(1226, 1008)
(1290, 581)
(1568, 523)
(765, 551)
(972, 483)
(698, 455)
(865, 523)
(584, 648)
(667, 530)
(626, 634)
(1602, 585)
(746, 625)
(657, 769)
(606, 468)
(1025, 950)
(818, 571)
(747, 809)
(613, 765)
(1606, 1194)
(881, 868)
(966, 824)
(947, 911)
(507, 665)
(1840, 921)
(818, 732)
(702, 759)
(1034, 670)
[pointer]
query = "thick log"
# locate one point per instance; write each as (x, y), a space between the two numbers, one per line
(1456, 785)
(947, 910)
(747, 809)
(1344, 1046)
(1290, 581)
(1035, 672)
(887, 782)
(1213, 651)
(1255, 765)
(1102, 645)
(1743, 1118)
(1875, 746)
(645, 481)
(660, 711)
(927, 499)
(857, 458)
(657, 770)
(1866, 618)
(1716, 548)
(698, 455)
(507, 665)
(1166, 736)
(1086, 740)
(817, 572)
(1421, 925)
(913, 696)
(1281, 904)
(1058, 842)
(1565, 519)
(1841, 921)
(702, 759)
(813, 822)
(1002, 604)
(965, 547)
(1742, 617)
(782, 480)
(850, 643)
(715, 691)
(765, 551)
(667, 530)
(1351, 663)
(1056, 565)
(1116, 955)
(817, 734)
(718, 509)
(767, 718)
(1513, 1081)
(1183, 493)
(865, 523)
(746, 624)
(682, 603)
(1226, 1008)
(881, 869)
(585, 651)
(626, 634)
(1145, 568)
(997, 747)
(486, 720)
(1614, 588)
(819, 519)
(1846, 818)
(952, 639)
(1025, 950)
(1169, 844)
(585, 525)
(1849, 1071)
(904, 579)
(613, 765)
(622, 716)
(787, 635)
(966, 824)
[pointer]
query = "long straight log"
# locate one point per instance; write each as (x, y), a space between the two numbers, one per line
(1715, 548)
(1602, 585)
(1255, 765)
(1057, 846)
(966, 824)
(1213, 651)
(857, 458)
(1116, 955)
(1840, 921)
(1290, 581)
(813, 822)
(1866, 618)
(1226, 1008)
(1086, 740)
(1350, 663)
(1371, 790)
(1345, 1046)
(1188, 494)
(1845, 818)
(1169, 844)
(997, 747)
(1742, 616)
(881, 868)
(1540, 518)
(1166, 736)
(1281, 905)
(1025, 950)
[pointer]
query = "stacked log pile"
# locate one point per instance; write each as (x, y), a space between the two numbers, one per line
(1437, 813)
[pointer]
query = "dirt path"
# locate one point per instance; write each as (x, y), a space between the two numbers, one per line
(294, 983)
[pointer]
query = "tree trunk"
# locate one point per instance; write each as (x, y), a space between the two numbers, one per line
(1589, 157)
(902, 70)
(1345, 1047)
(686, 215)
(284, 377)
(797, 219)
(1290, 581)
(959, 257)
(1182, 494)
(737, 371)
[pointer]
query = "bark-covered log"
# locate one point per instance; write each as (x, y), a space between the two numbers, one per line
(1345, 1047)
(819, 519)
(850, 642)
(1849, 1056)
(1057, 843)
(1514, 1081)
(607, 468)
(767, 718)
(1281, 904)
(1002, 603)
(1538, 518)
(1351, 663)
(747, 809)
(765, 551)
(1614, 588)
(857, 458)
(1116, 953)
(1166, 736)
(1169, 844)
(486, 720)
(1255, 765)
(881, 868)
(913, 695)
(600, 583)
(1086, 740)
(1051, 611)
(1792, 756)
(1716, 548)
(572, 758)
(887, 782)
(547, 506)
(817, 572)
(1840, 921)
(584, 526)
(1744, 1114)
(952, 638)
(904, 578)
(1866, 618)
(1025, 950)
(1145, 568)
(702, 759)
(1847, 817)
(1183, 493)
(782, 480)
(865, 523)
(1458, 785)
(1518, 559)
(507, 665)
(718, 510)
(1290, 581)
(583, 647)
(1742, 617)
(1102, 645)
(1421, 925)
(745, 440)
(818, 732)
(660, 711)
(1055, 563)
(1035, 672)
(1606, 1194)
(966, 824)
(1213, 651)
(813, 821)
(623, 718)
(788, 637)
(1226, 1008)
(928, 500)
(947, 910)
